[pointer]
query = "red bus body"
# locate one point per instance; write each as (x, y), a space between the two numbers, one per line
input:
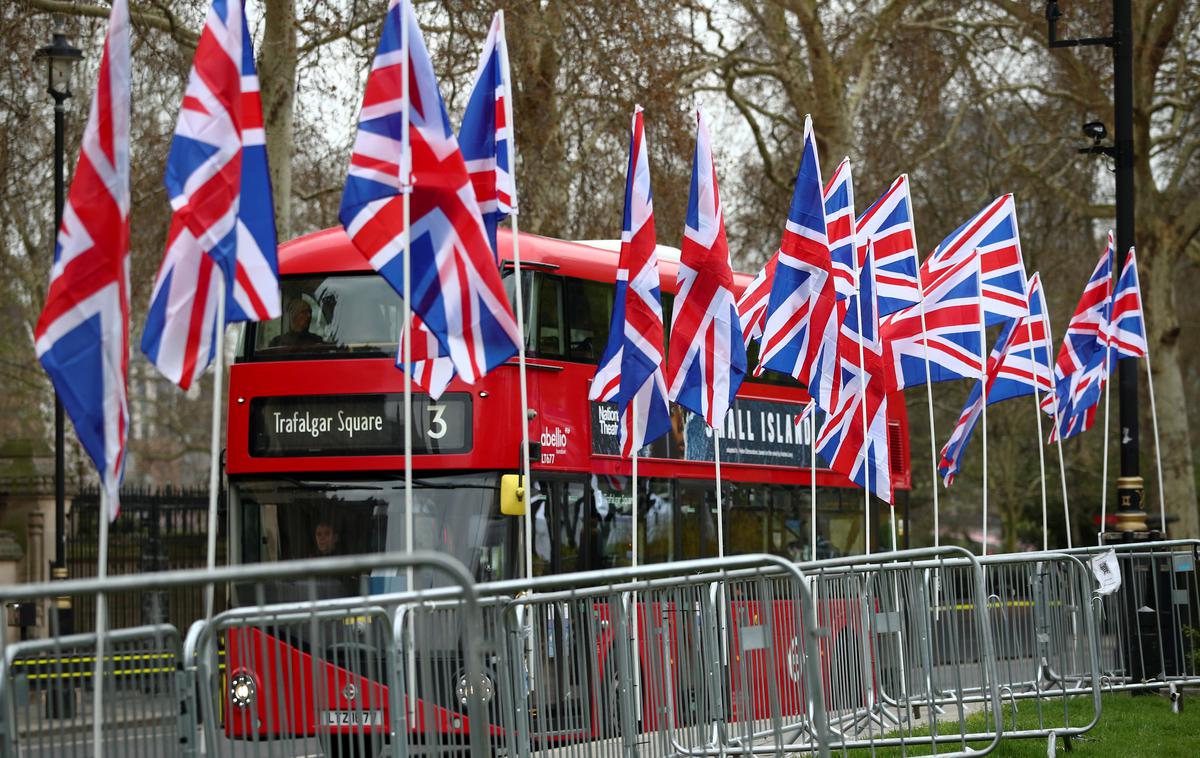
(563, 427)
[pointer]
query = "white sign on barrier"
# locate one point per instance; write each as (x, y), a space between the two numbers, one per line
(1107, 571)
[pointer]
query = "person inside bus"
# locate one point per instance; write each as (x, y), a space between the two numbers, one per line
(299, 318)
(326, 538)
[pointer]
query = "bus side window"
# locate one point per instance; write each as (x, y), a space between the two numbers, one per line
(550, 342)
(589, 310)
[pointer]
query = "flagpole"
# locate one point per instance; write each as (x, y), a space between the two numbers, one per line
(933, 451)
(1162, 500)
(983, 355)
(862, 396)
(1104, 454)
(812, 495)
(101, 627)
(214, 456)
(720, 511)
(1048, 342)
(1037, 414)
(406, 245)
(522, 377)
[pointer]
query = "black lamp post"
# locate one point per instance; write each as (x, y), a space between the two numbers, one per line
(1131, 519)
(60, 57)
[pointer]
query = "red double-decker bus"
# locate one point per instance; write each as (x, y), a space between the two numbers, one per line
(316, 436)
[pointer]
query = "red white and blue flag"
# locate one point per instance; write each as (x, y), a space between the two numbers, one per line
(1019, 366)
(853, 439)
(949, 337)
(1081, 369)
(631, 370)
(486, 133)
(456, 289)
(1127, 326)
(223, 227)
(752, 305)
(707, 359)
(485, 137)
(993, 234)
(952, 452)
(800, 333)
(888, 224)
(82, 334)
(840, 228)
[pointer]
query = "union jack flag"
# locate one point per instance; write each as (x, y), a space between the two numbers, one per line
(840, 228)
(854, 439)
(630, 372)
(707, 359)
(223, 228)
(952, 452)
(950, 336)
(485, 135)
(752, 305)
(82, 334)
(1081, 368)
(456, 288)
(1127, 328)
(1026, 367)
(888, 224)
(800, 333)
(993, 234)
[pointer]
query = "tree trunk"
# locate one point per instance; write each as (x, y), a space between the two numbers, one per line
(277, 64)
(1179, 477)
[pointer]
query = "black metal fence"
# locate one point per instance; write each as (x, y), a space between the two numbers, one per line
(159, 529)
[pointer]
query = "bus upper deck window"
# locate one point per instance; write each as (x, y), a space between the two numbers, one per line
(326, 315)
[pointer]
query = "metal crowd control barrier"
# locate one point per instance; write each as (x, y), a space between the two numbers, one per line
(1149, 628)
(333, 657)
(687, 658)
(1046, 643)
(908, 657)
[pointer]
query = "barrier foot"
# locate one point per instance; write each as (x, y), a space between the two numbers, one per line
(1051, 745)
(1176, 695)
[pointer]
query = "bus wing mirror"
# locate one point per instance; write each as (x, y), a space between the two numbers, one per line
(512, 495)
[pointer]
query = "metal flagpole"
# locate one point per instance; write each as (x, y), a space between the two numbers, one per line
(1162, 500)
(720, 509)
(406, 336)
(933, 451)
(812, 495)
(634, 499)
(101, 628)
(1037, 413)
(1104, 453)
(862, 395)
(1048, 342)
(983, 355)
(214, 457)
(520, 305)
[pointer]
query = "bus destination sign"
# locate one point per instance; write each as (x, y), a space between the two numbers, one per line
(757, 432)
(314, 425)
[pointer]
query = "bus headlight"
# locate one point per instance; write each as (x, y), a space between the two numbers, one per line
(486, 688)
(241, 690)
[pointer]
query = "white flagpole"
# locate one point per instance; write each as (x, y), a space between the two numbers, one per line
(983, 355)
(862, 400)
(1037, 413)
(1104, 454)
(214, 456)
(933, 451)
(1162, 500)
(101, 628)
(812, 495)
(406, 243)
(520, 305)
(1062, 466)
(720, 510)
(634, 446)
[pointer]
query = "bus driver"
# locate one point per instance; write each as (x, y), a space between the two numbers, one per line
(299, 317)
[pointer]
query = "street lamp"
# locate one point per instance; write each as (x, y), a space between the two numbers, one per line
(60, 58)
(1131, 519)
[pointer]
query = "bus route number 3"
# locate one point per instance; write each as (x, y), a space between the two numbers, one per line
(437, 422)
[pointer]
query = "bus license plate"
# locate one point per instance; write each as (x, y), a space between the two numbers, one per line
(352, 718)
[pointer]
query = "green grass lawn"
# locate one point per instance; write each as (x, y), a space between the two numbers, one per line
(1129, 727)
